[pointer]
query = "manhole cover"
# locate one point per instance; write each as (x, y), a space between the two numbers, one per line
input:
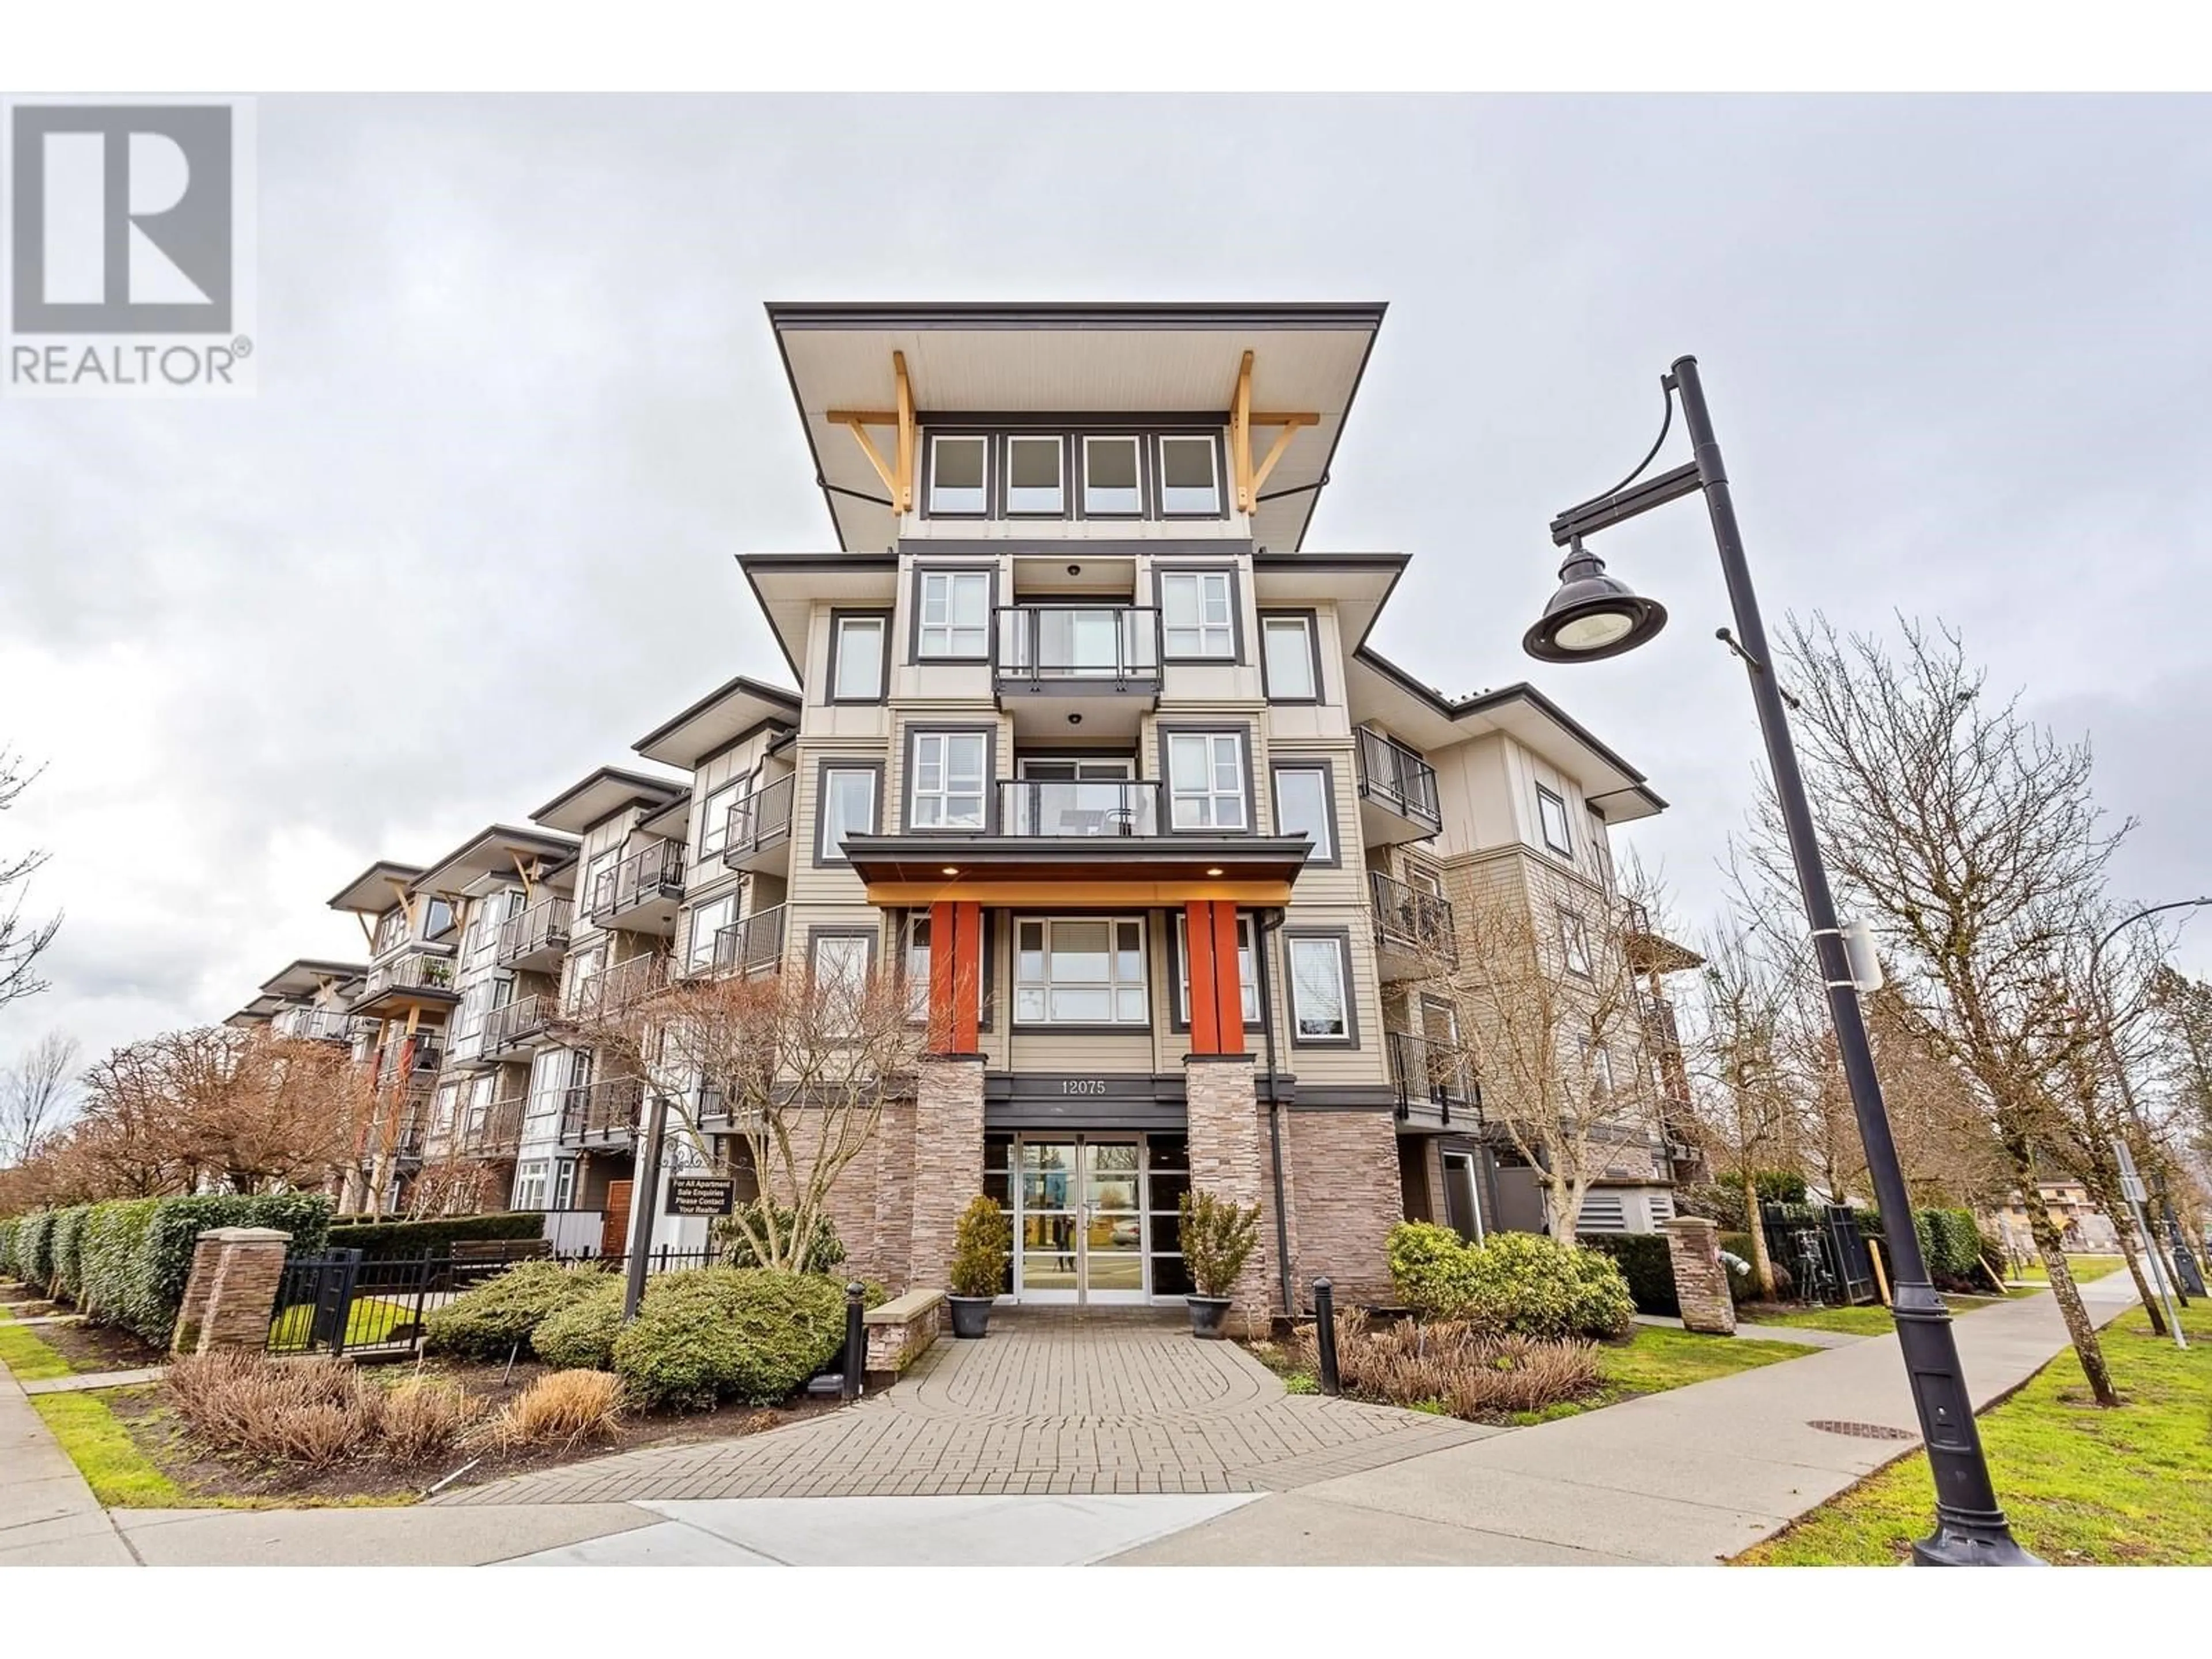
(1860, 1431)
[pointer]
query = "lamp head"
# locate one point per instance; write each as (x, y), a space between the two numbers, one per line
(1592, 616)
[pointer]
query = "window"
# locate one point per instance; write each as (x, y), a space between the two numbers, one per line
(956, 614)
(1110, 483)
(1321, 990)
(956, 475)
(856, 660)
(584, 971)
(530, 1184)
(1302, 808)
(1574, 942)
(848, 808)
(1205, 779)
(917, 969)
(1289, 663)
(715, 817)
(391, 930)
(949, 781)
(1196, 614)
(1552, 812)
(564, 1185)
(1187, 484)
(840, 963)
(1248, 983)
(1033, 476)
(1080, 971)
(598, 887)
(707, 921)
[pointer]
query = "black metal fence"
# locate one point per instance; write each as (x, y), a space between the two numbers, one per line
(1824, 1250)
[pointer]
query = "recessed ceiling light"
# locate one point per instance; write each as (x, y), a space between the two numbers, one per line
(951, 869)
(1075, 719)
(1213, 870)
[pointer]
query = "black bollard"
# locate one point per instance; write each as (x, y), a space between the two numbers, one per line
(1325, 1336)
(856, 1340)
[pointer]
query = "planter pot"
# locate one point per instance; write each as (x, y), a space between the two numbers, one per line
(971, 1314)
(1208, 1314)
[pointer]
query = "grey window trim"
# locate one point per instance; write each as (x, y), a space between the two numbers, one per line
(1002, 445)
(1145, 483)
(1144, 919)
(1159, 471)
(913, 619)
(1171, 928)
(822, 767)
(1328, 770)
(1312, 621)
(918, 729)
(822, 930)
(1236, 643)
(736, 781)
(1342, 938)
(929, 437)
(1566, 824)
(1163, 730)
(984, 938)
(1571, 917)
(838, 618)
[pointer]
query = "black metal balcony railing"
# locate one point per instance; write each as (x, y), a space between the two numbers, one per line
(614, 991)
(1395, 777)
(1114, 645)
(517, 1022)
(314, 1024)
(1412, 925)
(601, 1111)
(495, 1132)
(1108, 807)
(751, 946)
(761, 821)
(1428, 1071)
(655, 874)
(541, 929)
(411, 970)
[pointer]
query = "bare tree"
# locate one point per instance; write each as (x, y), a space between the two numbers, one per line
(1747, 1096)
(23, 940)
(798, 1065)
(1972, 837)
(34, 1096)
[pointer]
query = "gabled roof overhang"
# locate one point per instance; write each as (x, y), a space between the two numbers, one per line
(304, 978)
(599, 795)
(495, 856)
(725, 715)
(377, 889)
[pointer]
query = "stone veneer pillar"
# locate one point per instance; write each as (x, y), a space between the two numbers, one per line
(1701, 1283)
(232, 1292)
(948, 1160)
(1228, 1158)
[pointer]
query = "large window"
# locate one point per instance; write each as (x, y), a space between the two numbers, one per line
(1321, 989)
(1080, 971)
(1034, 479)
(1302, 808)
(1111, 485)
(856, 659)
(1551, 814)
(848, 808)
(1206, 780)
(1197, 614)
(1248, 983)
(1189, 483)
(840, 963)
(1289, 663)
(949, 781)
(530, 1180)
(707, 921)
(956, 468)
(956, 614)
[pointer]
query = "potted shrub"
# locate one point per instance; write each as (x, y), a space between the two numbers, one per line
(980, 1244)
(1218, 1238)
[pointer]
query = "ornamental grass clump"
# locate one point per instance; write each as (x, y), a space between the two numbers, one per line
(1472, 1374)
(562, 1408)
(315, 1413)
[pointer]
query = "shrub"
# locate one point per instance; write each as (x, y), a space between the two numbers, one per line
(1216, 1237)
(315, 1412)
(37, 1246)
(981, 1240)
(562, 1408)
(496, 1317)
(1647, 1263)
(67, 1235)
(156, 1288)
(579, 1335)
(8, 1227)
(392, 1241)
(424, 1417)
(1472, 1374)
(745, 1333)
(823, 1249)
(110, 1252)
(1519, 1284)
(1721, 1202)
(1778, 1187)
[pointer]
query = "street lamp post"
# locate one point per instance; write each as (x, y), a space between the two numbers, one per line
(1595, 616)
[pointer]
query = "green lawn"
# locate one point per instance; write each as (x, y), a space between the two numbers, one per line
(1872, 1319)
(370, 1320)
(102, 1448)
(1658, 1357)
(2082, 1486)
(2086, 1267)
(30, 1359)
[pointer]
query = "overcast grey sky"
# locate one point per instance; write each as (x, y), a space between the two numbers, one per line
(519, 408)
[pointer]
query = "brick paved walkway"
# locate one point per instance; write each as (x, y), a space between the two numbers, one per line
(1051, 1401)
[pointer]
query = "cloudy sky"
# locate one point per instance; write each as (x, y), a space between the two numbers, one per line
(519, 408)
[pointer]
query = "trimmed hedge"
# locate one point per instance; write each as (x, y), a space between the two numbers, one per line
(497, 1316)
(1517, 1283)
(69, 1235)
(743, 1334)
(580, 1336)
(388, 1240)
(38, 1249)
(1645, 1263)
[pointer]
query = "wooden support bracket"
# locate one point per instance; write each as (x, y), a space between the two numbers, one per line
(897, 473)
(1243, 417)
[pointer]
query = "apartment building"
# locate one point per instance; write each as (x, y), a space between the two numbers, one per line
(1091, 745)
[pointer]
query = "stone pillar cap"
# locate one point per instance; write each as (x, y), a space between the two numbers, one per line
(248, 1235)
(1691, 1223)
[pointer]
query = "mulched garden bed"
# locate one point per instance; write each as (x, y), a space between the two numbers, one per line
(218, 1477)
(90, 1348)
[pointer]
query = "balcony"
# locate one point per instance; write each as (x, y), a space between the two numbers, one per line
(1398, 800)
(536, 940)
(314, 1024)
(510, 1032)
(615, 991)
(1100, 661)
(643, 893)
(416, 979)
(1108, 808)
(603, 1114)
(754, 945)
(414, 1062)
(1433, 1080)
(759, 835)
(495, 1132)
(1414, 937)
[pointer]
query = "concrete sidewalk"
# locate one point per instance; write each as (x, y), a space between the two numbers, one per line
(48, 1516)
(1685, 1478)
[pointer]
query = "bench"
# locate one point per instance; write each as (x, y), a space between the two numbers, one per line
(474, 1259)
(900, 1330)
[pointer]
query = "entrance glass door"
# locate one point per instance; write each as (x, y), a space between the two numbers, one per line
(1080, 1219)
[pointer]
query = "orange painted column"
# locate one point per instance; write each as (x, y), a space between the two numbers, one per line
(1229, 993)
(1205, 1000)
(956, 967)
